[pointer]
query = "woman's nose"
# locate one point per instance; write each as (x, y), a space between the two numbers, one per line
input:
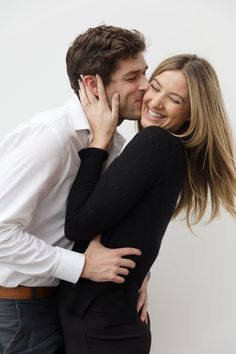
(157, 100)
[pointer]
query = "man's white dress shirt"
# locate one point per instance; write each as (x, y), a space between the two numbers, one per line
(38, 163)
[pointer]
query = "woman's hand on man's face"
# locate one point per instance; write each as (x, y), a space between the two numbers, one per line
(102, 119)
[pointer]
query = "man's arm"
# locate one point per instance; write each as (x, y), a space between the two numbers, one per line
(28, 174)
(105, 264)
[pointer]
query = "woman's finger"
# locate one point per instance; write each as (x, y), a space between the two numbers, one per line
(83, 94)
(90, 96)
(143, 314)
(115, 107)
(101, 90)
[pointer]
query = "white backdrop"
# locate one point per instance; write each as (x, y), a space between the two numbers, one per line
(192, 293)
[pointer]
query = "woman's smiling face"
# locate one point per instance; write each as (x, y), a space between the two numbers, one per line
(166, 104)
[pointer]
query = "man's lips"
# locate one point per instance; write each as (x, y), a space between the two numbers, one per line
(139, 101)
(139, 98)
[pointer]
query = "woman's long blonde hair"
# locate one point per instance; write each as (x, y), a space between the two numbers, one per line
(208, 142)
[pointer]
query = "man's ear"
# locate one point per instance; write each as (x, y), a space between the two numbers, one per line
(91, 83)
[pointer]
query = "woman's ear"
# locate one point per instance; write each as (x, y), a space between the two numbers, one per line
(90, 82)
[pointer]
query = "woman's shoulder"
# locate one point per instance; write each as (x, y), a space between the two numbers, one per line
(155, 140)
(158, 136)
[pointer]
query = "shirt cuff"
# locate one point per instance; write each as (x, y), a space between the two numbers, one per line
(70, 265)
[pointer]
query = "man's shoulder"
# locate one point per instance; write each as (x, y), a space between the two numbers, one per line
(56, 121)
(47, 127)
(48, 118)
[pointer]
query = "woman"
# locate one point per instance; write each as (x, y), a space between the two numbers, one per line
(181, 158)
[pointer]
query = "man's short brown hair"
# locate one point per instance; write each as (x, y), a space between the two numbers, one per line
(99, 50)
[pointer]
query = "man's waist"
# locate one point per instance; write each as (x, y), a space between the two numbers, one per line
(27, 293)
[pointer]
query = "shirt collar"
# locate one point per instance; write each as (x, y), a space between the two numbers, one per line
(77, 114)
(81, 122)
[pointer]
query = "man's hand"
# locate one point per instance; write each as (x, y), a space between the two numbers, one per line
(142, 304)
(105, 264)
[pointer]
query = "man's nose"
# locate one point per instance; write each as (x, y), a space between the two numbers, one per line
(144, 84)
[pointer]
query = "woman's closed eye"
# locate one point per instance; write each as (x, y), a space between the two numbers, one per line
(155, 87)
(175, 100)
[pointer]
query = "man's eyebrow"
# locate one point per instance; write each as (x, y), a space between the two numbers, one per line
(132, 72)
(172, 93)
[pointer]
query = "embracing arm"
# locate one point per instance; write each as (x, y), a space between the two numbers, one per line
(28, 173)
(96, 204)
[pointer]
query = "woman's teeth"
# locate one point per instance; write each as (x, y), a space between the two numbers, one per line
(153, 114)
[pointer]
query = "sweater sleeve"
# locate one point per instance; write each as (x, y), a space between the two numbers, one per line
(96, 203)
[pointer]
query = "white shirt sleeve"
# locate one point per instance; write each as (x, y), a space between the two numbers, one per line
(30, 166)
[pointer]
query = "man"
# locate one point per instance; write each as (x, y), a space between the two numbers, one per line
(39, 161)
